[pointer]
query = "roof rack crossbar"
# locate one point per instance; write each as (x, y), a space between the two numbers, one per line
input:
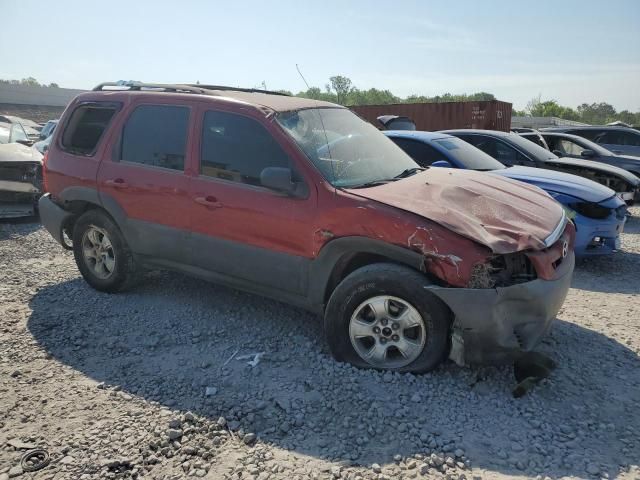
(238, 89)
(140, 86)
(176, 88)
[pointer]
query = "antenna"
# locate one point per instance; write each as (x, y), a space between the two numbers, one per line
(302, 76)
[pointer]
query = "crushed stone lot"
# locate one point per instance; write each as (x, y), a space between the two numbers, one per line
(162, 382)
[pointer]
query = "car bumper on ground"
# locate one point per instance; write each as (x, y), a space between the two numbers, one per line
(53, 217)
(597, 237)
(496, 325)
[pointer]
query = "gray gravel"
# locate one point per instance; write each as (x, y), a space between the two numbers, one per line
(151, 384)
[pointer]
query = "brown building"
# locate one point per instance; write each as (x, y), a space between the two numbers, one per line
(487, 115)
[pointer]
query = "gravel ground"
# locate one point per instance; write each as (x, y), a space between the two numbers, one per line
(146, 385)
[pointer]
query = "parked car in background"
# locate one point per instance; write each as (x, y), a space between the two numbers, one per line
(13, 133)
(511, 149)
(20, 180)
(31, 128)
(48, 129)
(568, 145)
(533, 136)
(43, 145)
(599, 215)
(396, 122)
(619, 140)
(239, 187)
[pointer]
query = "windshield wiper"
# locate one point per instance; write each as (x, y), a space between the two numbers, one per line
(373, 183)
(381, 181)
(408, 172)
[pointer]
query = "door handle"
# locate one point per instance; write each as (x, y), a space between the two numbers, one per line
(116, 183)
(209, 201)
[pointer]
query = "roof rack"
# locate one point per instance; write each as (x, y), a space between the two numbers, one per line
(140, 86)
(238, 89)
(175, 88)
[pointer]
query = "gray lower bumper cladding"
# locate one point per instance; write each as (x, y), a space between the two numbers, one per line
(53, 217)
(496, 325)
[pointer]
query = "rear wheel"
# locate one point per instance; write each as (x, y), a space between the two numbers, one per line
(101, 252)
(381, 316)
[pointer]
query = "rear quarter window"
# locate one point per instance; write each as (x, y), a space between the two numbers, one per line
(86, 126)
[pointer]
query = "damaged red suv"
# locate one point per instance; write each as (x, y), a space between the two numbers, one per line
(304, 202)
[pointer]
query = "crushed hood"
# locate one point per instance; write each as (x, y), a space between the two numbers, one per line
(596, 166)
(559, 182)
(16, 152)
(502, 214)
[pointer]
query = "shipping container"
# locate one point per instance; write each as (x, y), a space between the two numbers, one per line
(487, 115)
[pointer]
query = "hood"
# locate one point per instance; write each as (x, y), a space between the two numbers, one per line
(597, 166)
(16, 152)
(559, 182)
(505, 215)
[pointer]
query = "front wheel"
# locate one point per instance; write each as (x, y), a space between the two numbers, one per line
(380, 316)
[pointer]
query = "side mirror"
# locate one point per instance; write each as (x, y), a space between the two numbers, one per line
(442, 164)
(280, 179)
(588, 153)
(558, 153)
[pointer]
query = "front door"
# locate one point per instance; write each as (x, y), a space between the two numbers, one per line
(145, 180)
(242, 230)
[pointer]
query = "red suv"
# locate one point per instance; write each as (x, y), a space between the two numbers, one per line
(302, 201)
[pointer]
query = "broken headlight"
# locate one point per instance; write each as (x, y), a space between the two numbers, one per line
(591, 210)
(503, 271)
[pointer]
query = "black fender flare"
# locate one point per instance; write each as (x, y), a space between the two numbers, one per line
(99, 199)
(332, 254)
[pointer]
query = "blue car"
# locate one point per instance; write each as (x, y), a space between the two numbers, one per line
(599, 215)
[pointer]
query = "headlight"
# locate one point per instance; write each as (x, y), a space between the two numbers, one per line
(591, 210)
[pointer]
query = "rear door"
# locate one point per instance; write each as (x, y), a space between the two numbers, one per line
(143, 179)
(242, 230)
(501, 151)
(620, 141)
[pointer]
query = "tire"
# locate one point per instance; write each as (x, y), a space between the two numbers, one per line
(119, 270)
(397, 293)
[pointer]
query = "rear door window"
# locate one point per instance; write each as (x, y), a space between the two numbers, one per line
(567, 147)
(499, 150)
(423, 154)
(238, 148)
(86, 126)
(156, 135)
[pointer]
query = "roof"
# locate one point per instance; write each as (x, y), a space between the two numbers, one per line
(416, 134)
(495, 133)
(589, 127)
(275, 101)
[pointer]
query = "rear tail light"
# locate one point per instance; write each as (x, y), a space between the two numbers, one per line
(44, 171)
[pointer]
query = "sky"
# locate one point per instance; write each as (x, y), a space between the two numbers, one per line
(572, 51)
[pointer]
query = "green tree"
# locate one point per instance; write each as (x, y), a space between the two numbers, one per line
(597, 113)
(341, 85)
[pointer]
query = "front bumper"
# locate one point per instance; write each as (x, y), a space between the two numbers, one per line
(607, 231)
(17, 199)
(496, 325)
(53, 217)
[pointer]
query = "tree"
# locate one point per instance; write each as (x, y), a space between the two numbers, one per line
(342, 86)
(597, 113)
(30, 81)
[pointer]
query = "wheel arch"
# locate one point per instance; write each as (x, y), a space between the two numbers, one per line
(80, 199)
(339, 257)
